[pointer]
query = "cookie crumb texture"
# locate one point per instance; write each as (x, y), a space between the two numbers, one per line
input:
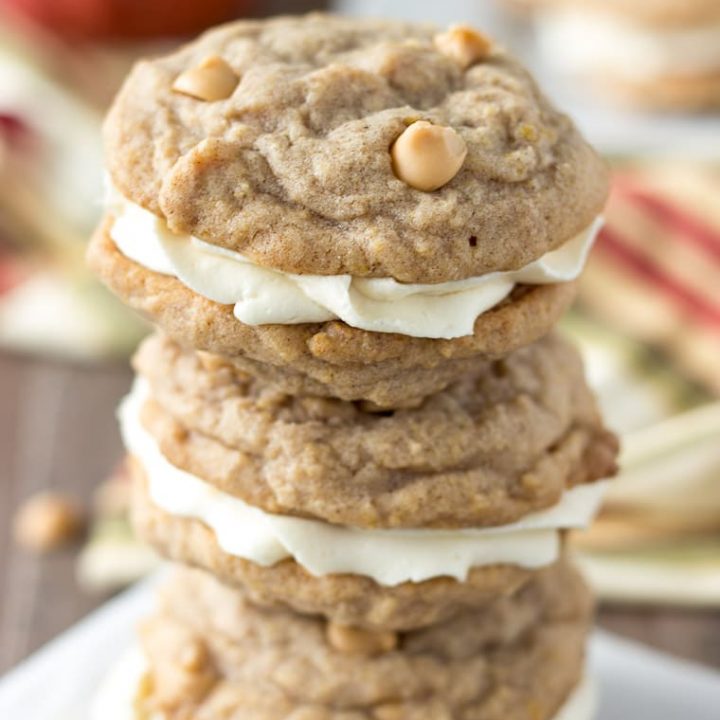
(293, 168)
(212, 654)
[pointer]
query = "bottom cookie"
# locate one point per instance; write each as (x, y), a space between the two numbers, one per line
(209, 654)
(115, 698)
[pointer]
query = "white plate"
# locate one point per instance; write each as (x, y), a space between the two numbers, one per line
(58, 682)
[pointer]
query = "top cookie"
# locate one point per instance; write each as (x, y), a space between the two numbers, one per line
(291, 158)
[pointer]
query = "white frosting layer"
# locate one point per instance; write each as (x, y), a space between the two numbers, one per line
(586, 42)
(265, 296)
(389, 557)
(116, 696)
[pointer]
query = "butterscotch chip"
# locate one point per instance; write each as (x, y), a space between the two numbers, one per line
(193, 657)
(349, 639)
(144, 691)
(211, 362)
(213, 79)
(181, 669)
(46, 521)
(463, 44)
(427, 156)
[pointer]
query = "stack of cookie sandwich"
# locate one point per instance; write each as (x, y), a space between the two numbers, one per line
(660, 54)
(355, 422)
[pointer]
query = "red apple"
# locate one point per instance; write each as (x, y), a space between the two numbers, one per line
(108, 19)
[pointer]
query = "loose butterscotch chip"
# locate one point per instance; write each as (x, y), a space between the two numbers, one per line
(427, 156)
(46, 521)
(354, 640)
(213, 79)
(463, 44)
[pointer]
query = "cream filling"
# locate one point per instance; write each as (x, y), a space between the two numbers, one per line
(586, 42)
(265, 296)
(389, 557)
(115, 698)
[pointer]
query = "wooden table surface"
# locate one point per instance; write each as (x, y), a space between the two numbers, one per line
(57, 430)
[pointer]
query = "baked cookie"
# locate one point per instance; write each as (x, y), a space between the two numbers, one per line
(505, 440)
(291, 165)
(212, 654)
(656, 53)
(348, 200)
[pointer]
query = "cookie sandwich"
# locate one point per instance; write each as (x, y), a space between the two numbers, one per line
(365, 210)
(472, 489)
(648, 53)
(354, 431)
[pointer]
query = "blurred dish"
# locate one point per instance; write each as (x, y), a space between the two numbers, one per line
(651, 54)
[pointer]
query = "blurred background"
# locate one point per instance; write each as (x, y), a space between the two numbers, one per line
(645, 89)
